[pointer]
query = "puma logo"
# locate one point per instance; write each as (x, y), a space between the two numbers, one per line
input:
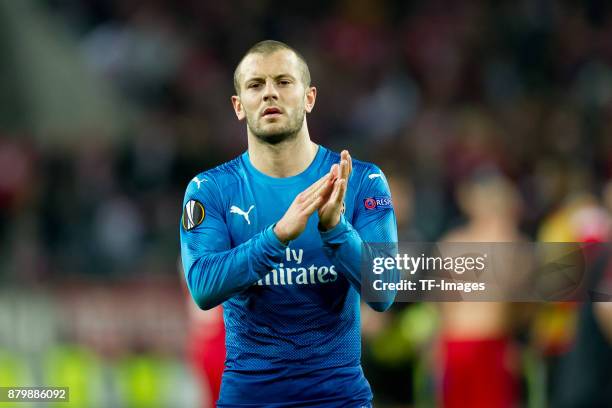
(198, 181)
(236, 210)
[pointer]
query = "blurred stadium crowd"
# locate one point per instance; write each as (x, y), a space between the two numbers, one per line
(437, 93)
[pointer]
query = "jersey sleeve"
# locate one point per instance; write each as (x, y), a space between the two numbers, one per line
(214, 271)
(372, 233)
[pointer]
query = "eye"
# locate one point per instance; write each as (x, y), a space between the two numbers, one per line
(284, 82)
(253, 85)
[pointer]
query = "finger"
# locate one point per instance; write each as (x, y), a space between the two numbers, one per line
(338, 195)
(325, 188)
(342, 192)
(339, 198)
(309, 199)
(344, 168)
(314, 186)
(322, 181)
(350, 164)
(335, 171)
(345, 155)
(323, 191)
(311, 208)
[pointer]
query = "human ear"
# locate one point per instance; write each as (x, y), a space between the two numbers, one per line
(238, 109)
(310, 98)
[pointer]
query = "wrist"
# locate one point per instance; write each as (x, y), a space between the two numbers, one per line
(280, 235)
(337, 230)
(324, 227)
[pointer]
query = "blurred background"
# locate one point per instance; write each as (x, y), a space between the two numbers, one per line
(492, 121)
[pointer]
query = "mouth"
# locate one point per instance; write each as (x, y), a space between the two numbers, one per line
(271, 111)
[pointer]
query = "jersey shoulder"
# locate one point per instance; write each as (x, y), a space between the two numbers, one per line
(363, 172)
(366, 170)
(222, 178)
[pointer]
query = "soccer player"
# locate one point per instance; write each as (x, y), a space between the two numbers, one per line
(277, 235)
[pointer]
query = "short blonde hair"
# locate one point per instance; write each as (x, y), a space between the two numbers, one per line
(267, 47)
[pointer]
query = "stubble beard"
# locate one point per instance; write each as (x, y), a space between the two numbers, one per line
(284, 134)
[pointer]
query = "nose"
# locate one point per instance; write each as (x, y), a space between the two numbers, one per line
(270, 91)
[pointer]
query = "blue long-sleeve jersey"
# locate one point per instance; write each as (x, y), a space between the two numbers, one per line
(291, 312)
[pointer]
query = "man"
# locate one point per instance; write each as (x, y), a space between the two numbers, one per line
(276, 235)
(476, 338)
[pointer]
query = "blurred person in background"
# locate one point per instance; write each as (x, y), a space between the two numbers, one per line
(603, 310)
(205, 346)
(587, 347)
(478, 357)
(206, 350)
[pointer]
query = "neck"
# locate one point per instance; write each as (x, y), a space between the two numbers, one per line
(285, 159)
